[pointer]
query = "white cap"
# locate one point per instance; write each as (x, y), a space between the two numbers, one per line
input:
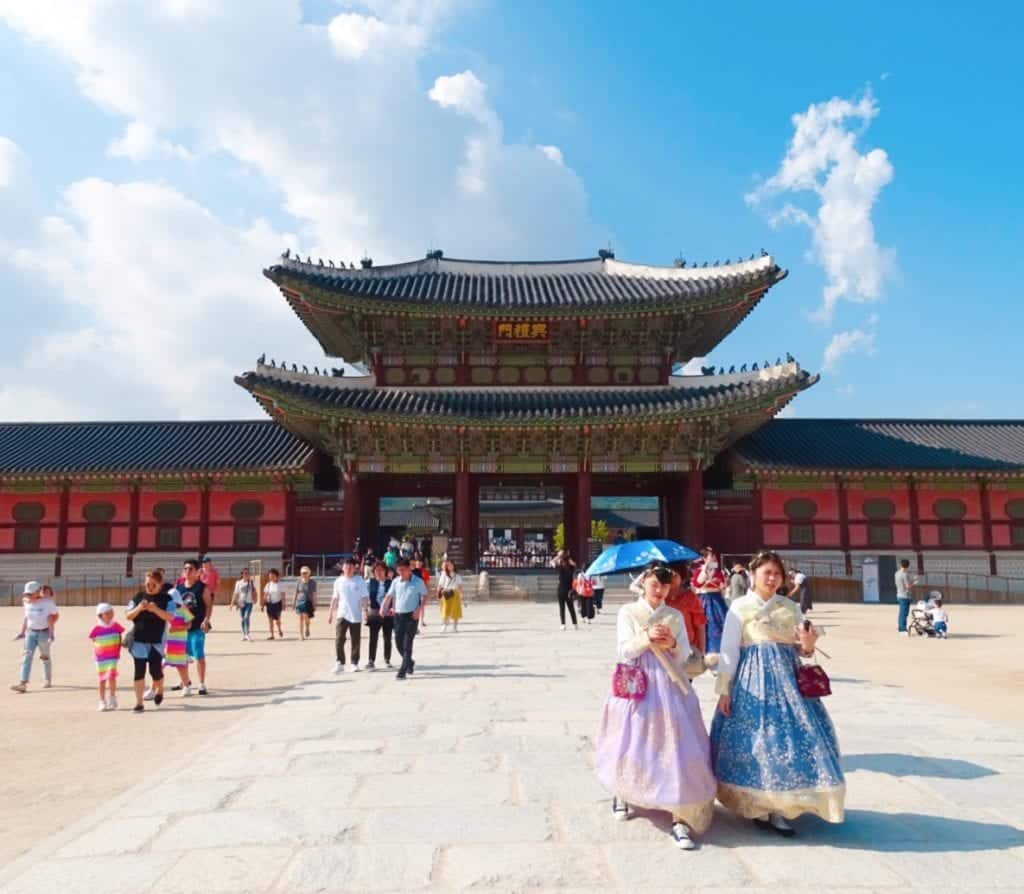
(32, 587)
(103, 608)
(935, 594)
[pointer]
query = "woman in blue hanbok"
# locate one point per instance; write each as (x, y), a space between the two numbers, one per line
(774, 751)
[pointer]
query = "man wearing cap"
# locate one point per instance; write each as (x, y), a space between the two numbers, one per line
(349, 603)
(37, 631)
(199, 599)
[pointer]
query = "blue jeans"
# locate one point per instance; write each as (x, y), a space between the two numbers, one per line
(246, 613)
(36, 639)
(904, 612)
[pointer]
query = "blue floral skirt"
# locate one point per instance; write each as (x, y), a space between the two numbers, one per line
(715, 611)
(777, 752)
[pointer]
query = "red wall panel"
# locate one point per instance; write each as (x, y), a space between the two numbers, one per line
(76, 538)
(6, 538)
(926, 498)
(48, 538)
(271, 536)
(775, 499)
(998, 500)
(222, 501)
(974, 536)
(50, 502)
(147, 538)
(77, 501)
(826, 535)
(190, 537)
(776, 535)
(119, 537)
(929, 535)
(898, 496)
(902, 535)
(149, 499)
(222, 537)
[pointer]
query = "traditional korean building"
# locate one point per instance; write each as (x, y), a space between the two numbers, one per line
(492, 374)
(513, 396)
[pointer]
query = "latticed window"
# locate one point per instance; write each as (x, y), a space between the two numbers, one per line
(950, 514)
(169, 514)
(247, 514)
(1015, 510)
(26, 531)
(98, 517)
(879, 514)
(801, 512)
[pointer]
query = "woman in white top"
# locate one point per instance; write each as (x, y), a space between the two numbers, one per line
(774, 750)
(243, 599)
(273, 601)
(653, 752)
(449, 594)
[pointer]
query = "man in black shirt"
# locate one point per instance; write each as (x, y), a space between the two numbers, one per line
(199, 600)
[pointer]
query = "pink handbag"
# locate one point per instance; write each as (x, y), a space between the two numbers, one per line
(629, 681)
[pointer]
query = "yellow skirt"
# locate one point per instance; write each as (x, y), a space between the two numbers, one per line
(451, 608)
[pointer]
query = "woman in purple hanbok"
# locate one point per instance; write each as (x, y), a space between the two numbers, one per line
(653, 752)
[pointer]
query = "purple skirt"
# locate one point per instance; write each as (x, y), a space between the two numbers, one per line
(715, 611)
(654, 753)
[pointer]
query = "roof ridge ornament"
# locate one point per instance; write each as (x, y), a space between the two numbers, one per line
(606, 254)
(435, 254)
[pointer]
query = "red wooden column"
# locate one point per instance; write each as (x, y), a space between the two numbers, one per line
(204, 519)
(844, 523)
(915, 524)
(349, 510)
(133, 530)
(62, 526)
(986, 525)
(290, 523)
(695, 510)
(581, 545)
(463, 523)
(369, 515)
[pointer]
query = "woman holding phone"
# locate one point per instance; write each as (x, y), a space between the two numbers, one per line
(652, 752)
(774, 750)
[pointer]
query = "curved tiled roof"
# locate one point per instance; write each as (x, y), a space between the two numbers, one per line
(531, 287)
(696, 394)
(58, 448)
(886, 445)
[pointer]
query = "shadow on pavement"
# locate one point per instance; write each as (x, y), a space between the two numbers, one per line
(912, 765)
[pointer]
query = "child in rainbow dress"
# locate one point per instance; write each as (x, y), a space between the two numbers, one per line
(176, 647)
(106, 644)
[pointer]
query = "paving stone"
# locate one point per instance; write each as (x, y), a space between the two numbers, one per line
(963, 870)
(359, 868)
(115, 836)
(431, 789)
(268, 825)
(178, 797)
(111, 875)
(788, 864)
(242, 870)
(293, 790)
(331, 746)
(544, 784)
(496, 825)
(640, 866)
(518, 866)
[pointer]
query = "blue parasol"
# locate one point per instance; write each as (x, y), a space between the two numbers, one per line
(639, 554)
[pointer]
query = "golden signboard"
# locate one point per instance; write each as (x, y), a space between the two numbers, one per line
(522, 331)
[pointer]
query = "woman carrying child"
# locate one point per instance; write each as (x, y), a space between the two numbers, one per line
(652, 752)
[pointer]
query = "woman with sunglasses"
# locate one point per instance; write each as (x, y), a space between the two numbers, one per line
(653, 752)
(774, 750)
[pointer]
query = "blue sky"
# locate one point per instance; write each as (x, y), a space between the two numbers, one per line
(154, 156)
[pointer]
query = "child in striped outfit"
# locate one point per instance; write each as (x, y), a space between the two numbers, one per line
(106, 644)
(175, 649)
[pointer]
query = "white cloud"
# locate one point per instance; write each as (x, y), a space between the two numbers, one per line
(140, 142)
(823, 159)
(851, 341)
(153, 301)
(552, 152)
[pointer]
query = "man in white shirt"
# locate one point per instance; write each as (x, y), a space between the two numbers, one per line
(349, 602)
(904, 586)
(800, 592)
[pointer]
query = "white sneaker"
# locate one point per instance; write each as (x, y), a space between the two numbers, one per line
(620, 809)
(147, 696)
(681, 837)
(186, 691)
(102, 706)
(781, 825)
(111, 704)
(563, 626)
(338, 667)
(353, 668)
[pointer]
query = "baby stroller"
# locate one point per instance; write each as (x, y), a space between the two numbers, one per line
(920, 622)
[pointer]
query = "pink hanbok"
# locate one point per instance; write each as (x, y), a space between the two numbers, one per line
(653, 752)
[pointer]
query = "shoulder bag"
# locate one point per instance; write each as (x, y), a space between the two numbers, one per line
(629, 681)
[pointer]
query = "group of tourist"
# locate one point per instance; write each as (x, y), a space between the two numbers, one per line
(772, 753)
(169, 623)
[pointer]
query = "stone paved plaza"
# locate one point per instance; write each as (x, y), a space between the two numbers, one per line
(476, 773)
